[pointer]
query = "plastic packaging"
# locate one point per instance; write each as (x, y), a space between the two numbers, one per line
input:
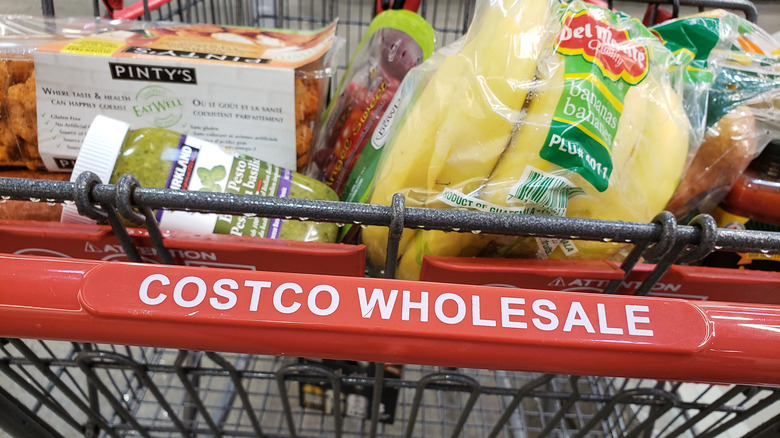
(19, 37)
(753, 203)
(166, 159)
(543, 108)
(732, 97)
(274, 110)
(756, 193)
(395, 41)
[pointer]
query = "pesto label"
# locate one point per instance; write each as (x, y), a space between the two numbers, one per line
(204, 166)
(601, 63)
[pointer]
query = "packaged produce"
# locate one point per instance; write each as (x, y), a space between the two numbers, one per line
(543, 108)
(395, 41)
(166, 159)
(27, 210)
(732, 97)
(753, 203)
(19, 36)
(257, 91)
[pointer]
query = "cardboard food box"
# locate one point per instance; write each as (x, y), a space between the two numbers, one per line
(20, 35)
(255, 91)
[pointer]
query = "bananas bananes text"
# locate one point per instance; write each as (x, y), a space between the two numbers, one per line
(542, 108)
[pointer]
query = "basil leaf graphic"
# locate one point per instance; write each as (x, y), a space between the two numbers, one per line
(218, 172)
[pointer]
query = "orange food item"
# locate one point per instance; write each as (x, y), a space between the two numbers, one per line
(31, 211)
(725, 152)
(18, 115)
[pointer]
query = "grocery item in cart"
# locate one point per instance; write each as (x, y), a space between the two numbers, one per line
(167, 159)
(19, 36)
(257, 91)
(753, 203)
(565, 110)
(731, 96)
(350, 141)
(26, 210)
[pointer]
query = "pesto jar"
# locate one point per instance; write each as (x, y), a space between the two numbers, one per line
(166, 159)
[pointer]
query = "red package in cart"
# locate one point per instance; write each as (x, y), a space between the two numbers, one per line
(395, 42)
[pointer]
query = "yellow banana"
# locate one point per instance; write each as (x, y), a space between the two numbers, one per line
(648, 156)
(533, 132)
(457, 128)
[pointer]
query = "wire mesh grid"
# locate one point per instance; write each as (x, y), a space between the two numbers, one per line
(111, 390)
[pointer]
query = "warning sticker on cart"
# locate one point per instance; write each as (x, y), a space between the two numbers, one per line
(403, 309)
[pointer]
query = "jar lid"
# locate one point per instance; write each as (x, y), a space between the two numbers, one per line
(98, 154)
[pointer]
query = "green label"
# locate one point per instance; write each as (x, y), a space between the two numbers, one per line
(254, 177)
(204, 166)
(585, 123)
(601, 63)
(544, 193)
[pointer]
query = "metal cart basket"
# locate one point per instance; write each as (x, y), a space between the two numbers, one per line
(79, 356)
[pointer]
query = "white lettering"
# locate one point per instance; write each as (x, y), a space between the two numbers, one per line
(633, 320)
(334, 300)
(220, 290)
(179, 289)
(278, 305)
(438, 308)
(577, 316)
(257, 287)
(603, 328)
(476, 319)
(539, 311)
(507, 311)
(377, 298)
(143, 291)
(407, 305)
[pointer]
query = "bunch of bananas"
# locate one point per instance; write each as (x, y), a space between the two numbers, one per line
(495, 127)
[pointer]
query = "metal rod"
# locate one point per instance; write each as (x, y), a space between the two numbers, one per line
(519, 395)
(17, 420)
(767, 401)
(84, 361)
(178, 366)
(728, 395)
(664, 397)
(46, 371)
(302, 368)
(376, 398)
(236, 378)
(415, 217)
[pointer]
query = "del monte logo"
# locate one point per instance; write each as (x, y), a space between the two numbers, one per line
(611, 49)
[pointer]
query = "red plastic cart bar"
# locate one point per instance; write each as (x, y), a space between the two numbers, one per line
(99, 242)
(389, 320)
(680, 281)
(134, 10)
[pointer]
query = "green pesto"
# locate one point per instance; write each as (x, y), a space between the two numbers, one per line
(304, 187)
(148, 153)
(142, 155)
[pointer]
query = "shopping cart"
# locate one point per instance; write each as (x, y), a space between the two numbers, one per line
(82, 356)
